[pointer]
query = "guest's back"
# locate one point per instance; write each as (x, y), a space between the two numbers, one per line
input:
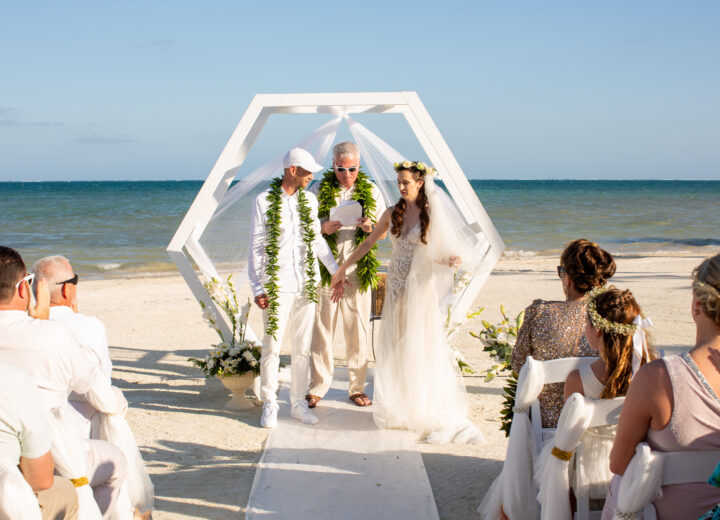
(694, 425)
(554, 329)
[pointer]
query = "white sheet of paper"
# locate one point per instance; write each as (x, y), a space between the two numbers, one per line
(347, 212)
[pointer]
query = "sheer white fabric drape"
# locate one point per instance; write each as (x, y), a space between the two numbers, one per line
(514, 489)
(17, 500)
(641, 482)
(116, 430)
(552, 474)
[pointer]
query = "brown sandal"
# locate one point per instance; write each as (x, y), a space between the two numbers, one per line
(312, 400)
(360, 400)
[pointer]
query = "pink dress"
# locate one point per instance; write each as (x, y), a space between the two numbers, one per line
(694, 425)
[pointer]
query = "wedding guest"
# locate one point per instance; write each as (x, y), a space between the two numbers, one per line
(615, 328)
(25, 442)
(673, 404)
(554, 329)
(58, 365)
(62, 281)
(285, 238)
(345, 182)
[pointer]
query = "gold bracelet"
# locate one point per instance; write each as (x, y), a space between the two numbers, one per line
(79, 482)
(561, 454)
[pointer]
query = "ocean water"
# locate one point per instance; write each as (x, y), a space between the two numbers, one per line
(110, 229)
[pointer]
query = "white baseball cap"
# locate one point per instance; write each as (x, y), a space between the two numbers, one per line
(301, 158)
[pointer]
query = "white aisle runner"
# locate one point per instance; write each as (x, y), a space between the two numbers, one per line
(342, 468)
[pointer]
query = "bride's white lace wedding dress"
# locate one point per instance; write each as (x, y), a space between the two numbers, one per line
(418, 384)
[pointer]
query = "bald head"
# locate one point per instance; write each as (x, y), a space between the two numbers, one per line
(54, 270)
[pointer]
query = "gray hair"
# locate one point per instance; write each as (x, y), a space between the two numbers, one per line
(344, 149)
(52, 269)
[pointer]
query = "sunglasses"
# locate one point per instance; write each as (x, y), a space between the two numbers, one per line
(352, 169)
(561, 270)
(27, 278)
(73, 280)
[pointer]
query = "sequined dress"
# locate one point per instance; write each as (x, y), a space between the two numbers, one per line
(417, 382)
(552, 330)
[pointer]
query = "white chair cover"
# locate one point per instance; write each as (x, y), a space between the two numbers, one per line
(553, 474)
(115, 429)
(70, 456)
(640, 484)
(514, 489)
(17, 500)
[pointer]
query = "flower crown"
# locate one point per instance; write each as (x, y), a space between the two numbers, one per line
(419, 166)
(611, 327)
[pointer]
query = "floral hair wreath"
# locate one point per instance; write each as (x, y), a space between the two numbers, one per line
(611, 327)
(419, 166)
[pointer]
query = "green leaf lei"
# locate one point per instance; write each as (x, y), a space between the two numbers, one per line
(327, 198)
(272, 250)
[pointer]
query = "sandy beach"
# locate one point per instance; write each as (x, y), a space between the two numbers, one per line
(202, 457)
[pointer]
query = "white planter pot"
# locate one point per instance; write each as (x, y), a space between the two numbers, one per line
(238, 385)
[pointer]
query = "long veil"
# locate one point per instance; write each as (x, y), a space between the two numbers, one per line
(424, 390)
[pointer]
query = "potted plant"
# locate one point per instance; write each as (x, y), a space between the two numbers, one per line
(235, 360)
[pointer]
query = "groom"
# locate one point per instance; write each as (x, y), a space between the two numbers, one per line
(345, 182)
(283, 271)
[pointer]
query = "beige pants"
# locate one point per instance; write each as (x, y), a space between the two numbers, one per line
(60, 502)
(354, 311)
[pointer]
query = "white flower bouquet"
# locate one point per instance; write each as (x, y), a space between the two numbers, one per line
(235, 355)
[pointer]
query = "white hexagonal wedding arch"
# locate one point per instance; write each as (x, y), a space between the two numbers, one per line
(185, 245)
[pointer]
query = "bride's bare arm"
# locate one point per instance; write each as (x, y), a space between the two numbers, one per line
(380, 230)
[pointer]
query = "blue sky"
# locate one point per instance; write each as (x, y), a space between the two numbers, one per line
(153, 90)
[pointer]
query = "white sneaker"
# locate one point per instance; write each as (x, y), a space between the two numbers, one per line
(269, 415)
(301, 412)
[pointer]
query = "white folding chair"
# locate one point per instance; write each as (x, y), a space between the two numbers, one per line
(555, 371)
(606, 412)
(649, 470)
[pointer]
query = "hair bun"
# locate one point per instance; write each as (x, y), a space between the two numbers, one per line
(706, 286)
(587, 264)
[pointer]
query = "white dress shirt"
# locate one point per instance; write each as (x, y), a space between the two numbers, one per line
(56, 361)
(89, 331)
(24, 431)
(346, 235)
(291, 258)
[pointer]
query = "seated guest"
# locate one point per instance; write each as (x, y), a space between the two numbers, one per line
(673, 405)
(60, 278)
(25, 442)
(554, 329)
(614, 327)
(58, 365)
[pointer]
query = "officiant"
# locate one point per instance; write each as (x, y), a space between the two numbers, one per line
(349, 205)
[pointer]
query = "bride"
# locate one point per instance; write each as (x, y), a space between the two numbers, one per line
(418, 385)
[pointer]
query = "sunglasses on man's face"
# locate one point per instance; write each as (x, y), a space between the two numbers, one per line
(340, 169)
(27, 278)
(73, 280)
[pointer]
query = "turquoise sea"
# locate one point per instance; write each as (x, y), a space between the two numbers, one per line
(110, 229)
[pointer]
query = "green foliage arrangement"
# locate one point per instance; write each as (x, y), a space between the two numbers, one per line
(499, 340)
(368, 265)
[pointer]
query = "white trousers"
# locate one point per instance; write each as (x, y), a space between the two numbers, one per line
(106, 472)
(296, 314)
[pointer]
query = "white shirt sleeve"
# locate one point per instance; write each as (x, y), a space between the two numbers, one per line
(35, 440)
(96, 385)
(256, 254)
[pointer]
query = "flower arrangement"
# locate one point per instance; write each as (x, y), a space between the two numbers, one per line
(419, 166)
(235, 355)
(499, 339)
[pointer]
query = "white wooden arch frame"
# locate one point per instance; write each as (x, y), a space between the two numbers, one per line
(185, 243)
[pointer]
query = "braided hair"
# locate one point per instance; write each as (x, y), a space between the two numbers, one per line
(398, 214)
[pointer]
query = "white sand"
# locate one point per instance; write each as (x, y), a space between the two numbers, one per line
(202, 458)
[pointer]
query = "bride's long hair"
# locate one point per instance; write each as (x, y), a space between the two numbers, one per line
(398, 214)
